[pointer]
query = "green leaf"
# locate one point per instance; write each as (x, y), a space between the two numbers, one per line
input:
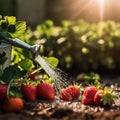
(11, 28)
(3, 34)
(20, 28)
(10, 19)
(52, 61)
(12, 72)
(26, 64)
(15, 92)
(3, 24)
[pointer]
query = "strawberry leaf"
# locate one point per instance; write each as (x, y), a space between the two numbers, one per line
(9, 27)
(15, 92)
(12, 72)
(10, 19)
(3, 34)
(52, 61)
(26, 64)
(20, 28)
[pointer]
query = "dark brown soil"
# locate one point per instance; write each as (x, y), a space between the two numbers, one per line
(61, 110)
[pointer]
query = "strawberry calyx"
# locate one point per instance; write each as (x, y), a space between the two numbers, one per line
(78, 86)
(29, 82)
(108, 96)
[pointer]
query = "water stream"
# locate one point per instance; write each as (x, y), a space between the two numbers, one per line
(59, 78)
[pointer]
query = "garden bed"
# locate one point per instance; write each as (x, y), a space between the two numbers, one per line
(59, 109)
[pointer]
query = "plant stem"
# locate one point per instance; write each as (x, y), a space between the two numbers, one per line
(8, 88)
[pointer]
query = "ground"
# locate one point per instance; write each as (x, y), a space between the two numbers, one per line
(61, 110)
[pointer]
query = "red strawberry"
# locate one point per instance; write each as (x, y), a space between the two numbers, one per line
(3, 92)
(88, 95)
(65, 95)
(29, 92)
(104, 97)
(13, 104)
(86, 101)
(45, 91)
(75, 92)
(70, 93)
(98, 98)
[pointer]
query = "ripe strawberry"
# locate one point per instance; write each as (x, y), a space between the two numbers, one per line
(29, 92)
(3, 92)
(70, 93)
(45, 91)
(13, 104)
(104, 98)
(88, 95)
(65, 94)
(75, 91)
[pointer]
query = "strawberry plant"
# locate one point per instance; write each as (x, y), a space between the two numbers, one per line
(80, 37)
(10, 27)
(89, 79)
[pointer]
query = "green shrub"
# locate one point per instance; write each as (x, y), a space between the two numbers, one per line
(80, 45)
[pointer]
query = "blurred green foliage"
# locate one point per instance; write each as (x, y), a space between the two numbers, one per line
(80, 45)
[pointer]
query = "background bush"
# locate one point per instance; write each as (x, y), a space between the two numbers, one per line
(80, 46)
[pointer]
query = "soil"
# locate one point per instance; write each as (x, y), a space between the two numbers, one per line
(61, 110)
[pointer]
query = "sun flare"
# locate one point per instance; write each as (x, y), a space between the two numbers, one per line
(101, 5)
(101, 2)
(90, 10)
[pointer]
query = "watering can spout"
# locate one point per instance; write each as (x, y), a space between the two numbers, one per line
(18, 43)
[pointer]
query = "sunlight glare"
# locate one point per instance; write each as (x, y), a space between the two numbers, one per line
(101, 4)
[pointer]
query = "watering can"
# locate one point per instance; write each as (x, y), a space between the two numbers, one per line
(6, 46)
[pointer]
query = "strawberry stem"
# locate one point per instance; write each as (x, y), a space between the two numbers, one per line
(36, 70)
(8, 88)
